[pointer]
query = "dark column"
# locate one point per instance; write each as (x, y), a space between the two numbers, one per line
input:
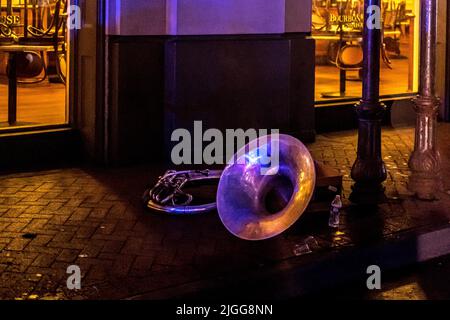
(369, 170)
(425, 162)
(12, 88)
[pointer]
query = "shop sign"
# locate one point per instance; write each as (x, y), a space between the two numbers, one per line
(10, 20)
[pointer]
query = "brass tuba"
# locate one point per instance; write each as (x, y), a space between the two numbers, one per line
(251, 205)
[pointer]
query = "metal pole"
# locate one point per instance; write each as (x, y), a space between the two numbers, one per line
(425, 161)
(25, 22)
(369, 170)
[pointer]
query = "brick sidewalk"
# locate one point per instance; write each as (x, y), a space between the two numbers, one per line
(93, 218)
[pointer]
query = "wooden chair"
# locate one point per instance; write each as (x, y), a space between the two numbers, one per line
(394, 14)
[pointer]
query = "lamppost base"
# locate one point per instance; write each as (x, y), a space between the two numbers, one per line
(425, 186)
(367, 194)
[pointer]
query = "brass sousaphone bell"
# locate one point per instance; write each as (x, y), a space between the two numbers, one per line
(251, 204)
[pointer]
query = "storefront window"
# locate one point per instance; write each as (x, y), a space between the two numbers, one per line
(337, 28)
(33, 69)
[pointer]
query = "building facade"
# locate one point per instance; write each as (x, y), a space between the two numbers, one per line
(136, 70)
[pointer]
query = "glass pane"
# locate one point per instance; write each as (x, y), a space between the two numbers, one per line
(337, 28)
(33, 47)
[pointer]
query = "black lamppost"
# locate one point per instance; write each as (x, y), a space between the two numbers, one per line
(369, 170)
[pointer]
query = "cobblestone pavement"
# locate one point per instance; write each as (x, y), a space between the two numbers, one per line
(93, 218)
